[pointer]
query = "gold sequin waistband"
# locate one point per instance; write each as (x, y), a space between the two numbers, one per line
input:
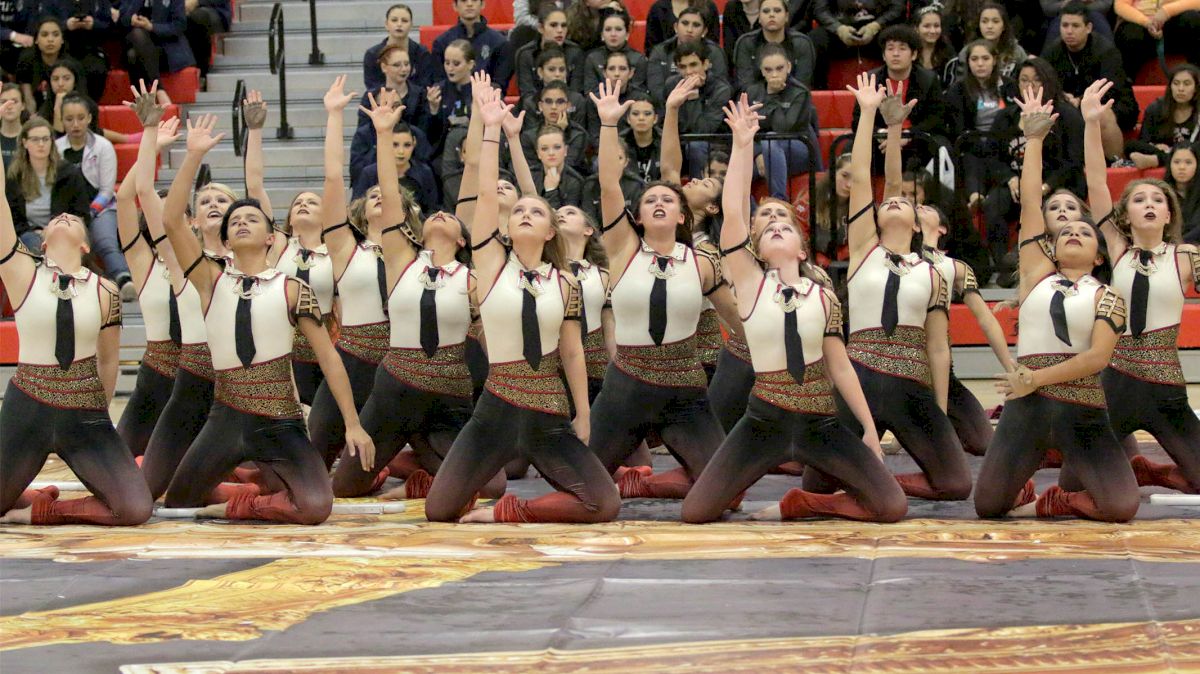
(76, 388)
(595, 354)
(369, 342)
(901, 355)
(263, 389)
(674, 365)
(197, 359)
(738, 348)
(1083, 391)
(302, 349)
(709, 339)
(519, 384)
(1152, 356)
(444, 373)
(162, 357)
(778, 388)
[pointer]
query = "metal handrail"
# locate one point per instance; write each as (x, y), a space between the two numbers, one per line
(276, 57)
(316, 58)
(238, 119)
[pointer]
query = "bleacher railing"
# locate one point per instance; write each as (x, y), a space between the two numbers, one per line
(315, 58)
(276, 57)
(237, 120)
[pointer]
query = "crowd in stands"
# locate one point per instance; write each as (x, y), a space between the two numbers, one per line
(963, 60)
(56, 62)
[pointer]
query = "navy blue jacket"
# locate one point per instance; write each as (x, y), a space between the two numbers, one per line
(492, 51)
(424, 71)
(419, 180)
(101, 12)
(170, 22)
(222, 8)
(15, 15)
(362, 147)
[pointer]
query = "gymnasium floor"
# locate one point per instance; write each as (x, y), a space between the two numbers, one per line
(939, 592)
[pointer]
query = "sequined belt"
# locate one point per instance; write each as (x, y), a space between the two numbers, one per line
(674, 365)
(595, 354)
(302, 349)
(1152, 356)
(901, 355)
(738, 348)
(263, 389)
(1083, 391)
(162, 357)
(197, 359)
(708, 337)
(76, 388)
(520, 385)
(369, 342)
(444, 373)
(778, 388)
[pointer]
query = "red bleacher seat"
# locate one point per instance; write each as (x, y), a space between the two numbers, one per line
(835, 109)
(844, 72)
(825, 138)
(116, 89)
(497, 11)
(182, 86)
(1118, 178)
(1146, 95)
(127, 156)
(637, 36)
(1159, 173)
(1151, 73)
(122, 119)
(638, 9)
(9, 345)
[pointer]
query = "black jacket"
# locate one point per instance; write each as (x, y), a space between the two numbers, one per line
(745, 58)
(706, 114)
(1062, 152)
(70, 194)
(631, 186)
(593, 68)
(526, 58)
(660, 24)
(789, 110)
(424, 70)
(1098, 59)
(930, 113)
(856, 13)
(1157, 127)
(570, 186)
(661, 67)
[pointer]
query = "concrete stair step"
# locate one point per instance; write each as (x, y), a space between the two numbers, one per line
(338, 46)
(302, 81)
(331, 12)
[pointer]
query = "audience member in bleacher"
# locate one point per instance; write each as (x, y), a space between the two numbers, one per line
(1181, 175)
(1172, 119)
(1144, 24)
(66, 77)
(798, 48)
(551, 67)
(786, 108)
(10, 121)
(614, 37)
(848, 28)
(552, 27)
(994, 26)
(155, 39)
(33, 67)
(525, 20)
(424, 70)
(1097, 10)
(738, 18)
(40, 183)
(703, 110)
(97, 160)
(1082, 56)
(414, 174)
(664, 14)
(491, 51)
(584, 18)
(88, 26)
(556, 180)
(450, 99)
(830, 211)
(616, 69)
(554, 108)
(689, 30)
(396, 64)
(643, 140)
(936, 52)
(632, 182)
(15, 33)
(205, 19)
(900, 74)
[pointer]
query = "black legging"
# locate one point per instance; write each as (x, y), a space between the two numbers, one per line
(308, 378)
(477, 364)
(1094, 459)
(627, 409)
(178, 425)
(393, 414)
(325, 424)
(910, 411)
(85, 439)
(277, 446)
(970, 420)
(499, 431)
(202, 24)
(142, 55)
(150, 395)
(729, 389)
(768, 436)
(1160, 409)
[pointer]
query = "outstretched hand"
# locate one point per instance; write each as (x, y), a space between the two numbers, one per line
(1037, 117)
(512, 124)
(200, 138)
(168, 133)
(254, 110)
(336, 99)
(1091, 105)
(868, 93)
(742, 119)
(385, 112)
(686, 89)
(145, 104)
(493, 109)
(481, 84)
(608, 104)
(893, 110)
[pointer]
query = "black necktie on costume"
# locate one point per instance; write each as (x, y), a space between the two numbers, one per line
(531, 332)
(429, 322)
(243, 332)
(174, 329)
(302, 268)
(1141, 294)
(658, 301)
(64, 324)
(793, 345)
(1058, 312)
(891, 311)
(381, 279)
(583, 321)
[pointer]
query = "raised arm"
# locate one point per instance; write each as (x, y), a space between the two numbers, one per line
(744, 270)
(339, 240)
(488, 254)
(465, 208)
(254, 111)
(520, 165)
(1036, 121)
(617, 232)
(136, 249)
(201, 271)
(1095, 168)
(16, 270)
(894, 112)
(671, 157)
(398, 249)
(860, 232)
